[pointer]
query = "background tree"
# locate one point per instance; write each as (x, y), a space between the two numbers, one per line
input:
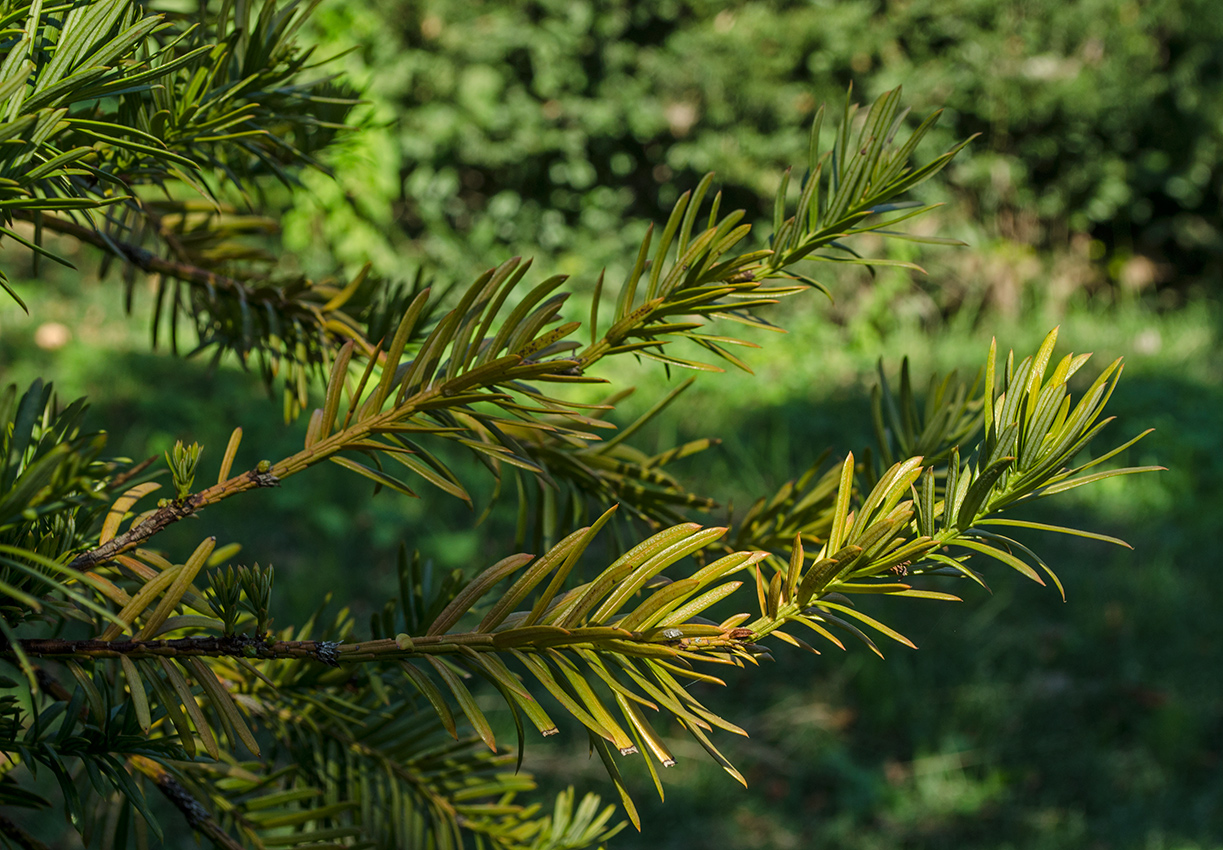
(144, 134)
(1096, 122)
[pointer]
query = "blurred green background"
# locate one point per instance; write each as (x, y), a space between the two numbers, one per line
(1092, 200)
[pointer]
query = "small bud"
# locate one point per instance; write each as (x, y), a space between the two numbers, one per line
(182, 462)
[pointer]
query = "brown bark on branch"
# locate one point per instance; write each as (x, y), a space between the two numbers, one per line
(141, 258)
(19, 836)
(259, 291)
(240, 646)
(333, 653)
(170, 514)
(197, 817)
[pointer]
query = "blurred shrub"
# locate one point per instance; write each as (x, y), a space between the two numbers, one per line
(498, 127)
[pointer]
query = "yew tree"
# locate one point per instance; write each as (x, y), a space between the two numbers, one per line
(146, 678)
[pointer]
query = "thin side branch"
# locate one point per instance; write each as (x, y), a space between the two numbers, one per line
(142, 258)
(19, 836)
(255, 291)
(170, 514)
(238, 646)
(127, 475)
(333, 653)
(197, 817)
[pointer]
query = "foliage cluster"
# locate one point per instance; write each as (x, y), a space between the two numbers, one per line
(541, 125)
(137, 668)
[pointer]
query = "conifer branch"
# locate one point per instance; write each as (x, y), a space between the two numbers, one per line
(142, 258)
(193, 811)
(359, 726)
(172, 512)
(19, 836)
(238, 646)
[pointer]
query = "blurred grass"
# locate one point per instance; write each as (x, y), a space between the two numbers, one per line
(1022, 722)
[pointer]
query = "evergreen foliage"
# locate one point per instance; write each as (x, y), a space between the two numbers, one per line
(137, 673)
